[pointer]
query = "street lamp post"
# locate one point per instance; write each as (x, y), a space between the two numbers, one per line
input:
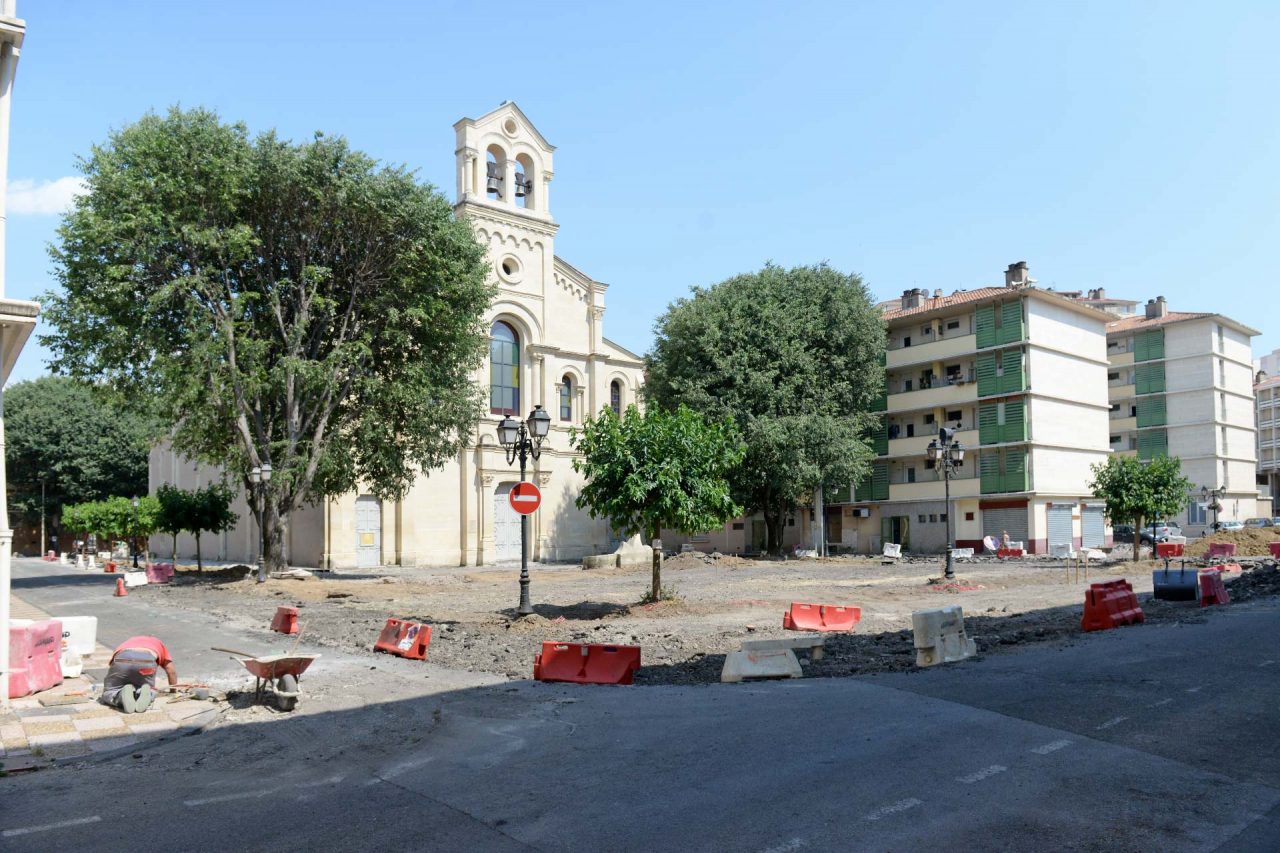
(260, 476)
(1214, 495)
(947, 454)
(135, 531)
(523, 441)
(42, 541)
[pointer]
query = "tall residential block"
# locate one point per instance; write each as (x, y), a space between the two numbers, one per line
(1181, 384)
(1267, 396)
(1020, 373)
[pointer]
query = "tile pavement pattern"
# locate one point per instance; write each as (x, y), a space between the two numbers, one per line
(67, 722)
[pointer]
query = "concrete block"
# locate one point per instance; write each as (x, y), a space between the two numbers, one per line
(777, 663)
(962, 553)
(132, 579)
(940, 636)
(813, 643)
(600, 561)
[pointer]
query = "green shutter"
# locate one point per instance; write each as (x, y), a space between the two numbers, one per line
(1151, 411)
(1153, 443)
(989, 471)
(1149, 378)
(880, 481)
(988, 382)
(884, 358)
(881, 403)
(1148, 346)
(988, 425)
(1013, 379)
(1015, 471)
(1015, 421)
(1140, 347)
(985, 322)
(880, 438)
(862, 491)
(1010, 322)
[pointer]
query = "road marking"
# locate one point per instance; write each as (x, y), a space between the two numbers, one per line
(1194, 689)
(226, 798)
(786, 847)
(894, 808)
(1051, 747)
(1109, 723)
(1266, 663)
(332, 780)
(1161, 702)
(981, 774)
(27, 830)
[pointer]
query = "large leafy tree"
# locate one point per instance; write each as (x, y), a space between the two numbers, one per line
(81, 443)
(1140, 490)
(646, 471)
(297, 304)
(794, 357)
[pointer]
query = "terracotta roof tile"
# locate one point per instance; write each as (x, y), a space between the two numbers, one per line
(1141, 322)
(1268, 383)
(962, 298)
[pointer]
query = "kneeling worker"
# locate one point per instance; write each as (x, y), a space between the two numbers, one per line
(131, 680)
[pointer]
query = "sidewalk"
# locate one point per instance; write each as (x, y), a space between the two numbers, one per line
(66, 723)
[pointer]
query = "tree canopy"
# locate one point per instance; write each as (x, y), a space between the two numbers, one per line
(80, 442)
(1140, 490)
(658, 469)
(794, 357)
(297, 304)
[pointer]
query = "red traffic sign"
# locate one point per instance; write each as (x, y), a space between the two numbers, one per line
(525, 498)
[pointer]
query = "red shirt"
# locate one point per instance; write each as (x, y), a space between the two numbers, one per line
(150, 644)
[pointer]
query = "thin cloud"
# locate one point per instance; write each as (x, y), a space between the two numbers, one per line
(43, 198)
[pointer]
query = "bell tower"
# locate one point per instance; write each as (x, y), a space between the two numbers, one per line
(504, 164)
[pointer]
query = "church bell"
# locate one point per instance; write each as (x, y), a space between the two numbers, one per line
(522, 185)
(493, 182)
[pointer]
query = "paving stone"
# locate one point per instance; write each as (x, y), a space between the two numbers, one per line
(43, 727)
(55, 739)
(47, 715)
(68, 750)
(12, 743)
(95, 724)
(12, 730)
(106, 744)
(153, 728)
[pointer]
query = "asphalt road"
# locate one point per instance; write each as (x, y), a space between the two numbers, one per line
(1143, 738)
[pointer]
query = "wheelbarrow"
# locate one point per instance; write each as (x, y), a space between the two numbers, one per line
(277, 673)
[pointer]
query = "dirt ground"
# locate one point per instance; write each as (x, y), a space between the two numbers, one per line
(1250, 542)
(719, 604)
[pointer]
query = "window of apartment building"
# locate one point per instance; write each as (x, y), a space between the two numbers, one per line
(1224, 440)
(1133, 411)
(926, 331)
(1222, 372)
(920, 518)
(1113, 375)
(906, 385)
(933, 518)
(1196, 512)
(1115, 407)
(926, 378)
(928, 419)
(906, 341)
(942, 517)
(911, 430)
(952, 325)
(911, 475)
(1225, 472)
(1222, 402)
(1222, 340)
(954, 416)
(1115, 439)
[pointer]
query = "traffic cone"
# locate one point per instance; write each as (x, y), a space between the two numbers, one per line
(120, 588)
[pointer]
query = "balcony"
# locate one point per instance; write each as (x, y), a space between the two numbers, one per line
(940, 395)
(1119, 359)
(966, 487)
(917, 445)
(940, 350)
(1121, 425)
(1121, 392)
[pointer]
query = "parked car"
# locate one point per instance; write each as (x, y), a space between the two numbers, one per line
(1218, 526)
(1122, 534)
(1165, 529)
(1259, 522)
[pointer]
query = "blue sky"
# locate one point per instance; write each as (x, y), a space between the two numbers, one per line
(1131, 146)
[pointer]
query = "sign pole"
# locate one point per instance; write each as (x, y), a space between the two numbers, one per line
(525, 607)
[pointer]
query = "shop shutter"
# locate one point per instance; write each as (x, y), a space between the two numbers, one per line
(1093, 526)
(1013, 379)
(988, 382)
(985, 323)
(1015, 470)
(1015, 421)
(989, 470)
(1010, 322)
(1012, 520)
(988, 425)
(1060, 532)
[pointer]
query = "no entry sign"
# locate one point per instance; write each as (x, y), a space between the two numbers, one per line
(525, 498)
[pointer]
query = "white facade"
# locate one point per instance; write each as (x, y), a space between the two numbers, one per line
(548, 334)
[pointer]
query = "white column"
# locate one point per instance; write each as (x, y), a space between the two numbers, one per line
(8, 65)
(509, 182)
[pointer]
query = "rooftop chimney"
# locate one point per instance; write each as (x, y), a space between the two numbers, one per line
(913, 298)
(937, 293)
(1016, 275)
(1157, 308)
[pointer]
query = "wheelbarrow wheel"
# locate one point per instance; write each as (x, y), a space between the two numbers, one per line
(287, 684)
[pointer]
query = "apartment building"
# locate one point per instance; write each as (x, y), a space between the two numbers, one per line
(1267, 396)
(1020, 373)
(1181, 384)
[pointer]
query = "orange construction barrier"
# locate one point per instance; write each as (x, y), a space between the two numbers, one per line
(1228, 567)
(1169, 550)
(586, 663)
(820, 617)
(1222, 549)
(404, 639)
(1275, 549)
(109, 567)
(1212, 590)
(1004, 553)
(120, 592)
(1109, 605)
(285, 621)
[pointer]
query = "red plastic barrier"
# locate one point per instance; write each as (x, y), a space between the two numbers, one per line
(1109, 605)
(404, 639)
(1212, 589)
(35, 657)
(285, 621)
(109, 568)
(586, 663)
(1228, 567)
(1222, 549)
(1168, 550)
(1275, 549)
(159, 573)
(820, 617)
(1004, 553)
(51, 557)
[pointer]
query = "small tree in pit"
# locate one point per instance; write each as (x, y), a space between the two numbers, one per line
(659, 469)
(209, 511)
(1137, 491)
(174, 515)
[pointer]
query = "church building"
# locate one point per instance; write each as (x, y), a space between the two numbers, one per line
(547, 348)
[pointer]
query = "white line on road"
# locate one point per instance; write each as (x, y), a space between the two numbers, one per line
(332, 780)
(1194, 689)
(1160, 703)
(1266, 663)
(786, 846)
(894, 808)
(981, 774)
(27, 830)
(1054, 746)
(1109, 723)
(226, 798)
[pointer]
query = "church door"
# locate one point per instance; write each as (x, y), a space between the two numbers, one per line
(368, 532)
(506, 525)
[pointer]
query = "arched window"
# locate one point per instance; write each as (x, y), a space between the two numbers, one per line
(504, 370)
(615, 397)
(566, 398)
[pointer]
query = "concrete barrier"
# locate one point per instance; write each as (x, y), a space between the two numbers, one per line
(600, 561)
(940, 636)
(132, 579)
(769, 663)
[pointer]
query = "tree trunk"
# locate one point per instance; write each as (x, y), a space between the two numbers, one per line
(175, 550)
(273, 523)
(199, 561)
(773, 528)
(656, 592)
(1137, 538)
